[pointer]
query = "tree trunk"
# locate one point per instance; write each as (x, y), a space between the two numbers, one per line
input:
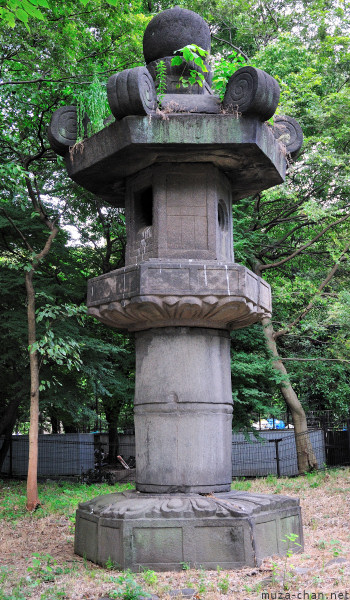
(6, 426)
(32, 483)
(34, 195)
(9, 415)
(305, 453)
(113, 440)
(55, 423)
(6, 442)
(112, 412)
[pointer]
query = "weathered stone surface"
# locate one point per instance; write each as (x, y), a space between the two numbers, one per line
(175, 72)
(184, 593)
(337, 561)
(131, 92)
(63, 129)
(204, 104)
(243, 148)
(190, 293)
(62, 132)
(177, 211)
(288, 131)
(232, 529)
(151, 311)
(301, 570)
(183, 410)
(173, 29)
(252, 91)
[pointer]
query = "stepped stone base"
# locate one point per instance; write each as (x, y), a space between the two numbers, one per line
(232, 529)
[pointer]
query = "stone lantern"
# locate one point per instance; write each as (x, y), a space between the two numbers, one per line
(177, 170)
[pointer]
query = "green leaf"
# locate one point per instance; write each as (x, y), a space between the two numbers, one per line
(22, 16)
(31, 10)
(177, 60)
(201, 51)
(187, 54)
(9, 17)
(12, 4)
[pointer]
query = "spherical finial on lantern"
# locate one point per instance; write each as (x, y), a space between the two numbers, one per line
(173, 29)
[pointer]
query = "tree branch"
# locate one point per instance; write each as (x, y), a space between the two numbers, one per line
(216, 37)
(324, 283)
(302, 248)
(344, 83)
(290, 208)
(103, 51)
(271, 15)
(283, 239)
(342, 360)
(18, 230)
(71, 15)
(70, 79)
(44, 252)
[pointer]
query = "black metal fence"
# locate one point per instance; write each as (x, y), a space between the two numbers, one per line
(69, 455)
(91, 458)
(281, 452)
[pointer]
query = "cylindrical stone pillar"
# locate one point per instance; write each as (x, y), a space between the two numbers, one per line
(183, 410)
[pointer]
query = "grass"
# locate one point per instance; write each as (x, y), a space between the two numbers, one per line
(37, 561)
(56, 497)
(285, 485)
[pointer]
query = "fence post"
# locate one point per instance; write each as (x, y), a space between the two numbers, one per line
(276, 442)
(11, 466)
(325, 437)
(99, 461)
(278, 457)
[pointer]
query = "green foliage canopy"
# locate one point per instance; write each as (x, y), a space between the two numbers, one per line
(49, 61)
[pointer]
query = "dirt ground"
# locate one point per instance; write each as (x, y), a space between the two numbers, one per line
(322, 571)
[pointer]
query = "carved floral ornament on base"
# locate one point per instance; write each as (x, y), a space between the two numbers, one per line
(237, 299)
(144, 312)
(129, 505)
(132, 92)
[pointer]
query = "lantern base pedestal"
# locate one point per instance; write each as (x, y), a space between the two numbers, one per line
(163, 531)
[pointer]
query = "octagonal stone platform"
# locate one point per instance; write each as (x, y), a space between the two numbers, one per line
(160, 532)
(160, 293)
(244, 148)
